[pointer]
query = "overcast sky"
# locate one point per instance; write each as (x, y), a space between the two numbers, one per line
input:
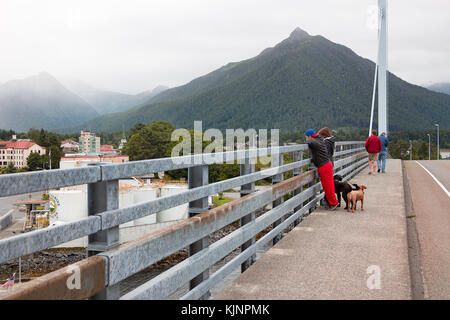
(133, 45)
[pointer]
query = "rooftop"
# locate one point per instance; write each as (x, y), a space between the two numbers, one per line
(16, 144)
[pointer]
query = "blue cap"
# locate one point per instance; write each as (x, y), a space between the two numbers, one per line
(309, 132)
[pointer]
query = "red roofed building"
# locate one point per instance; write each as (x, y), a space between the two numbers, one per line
(107, 149)
(17, 152)
(82, 160)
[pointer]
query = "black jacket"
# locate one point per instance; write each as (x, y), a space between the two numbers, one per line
(329, 142)
(319, 152)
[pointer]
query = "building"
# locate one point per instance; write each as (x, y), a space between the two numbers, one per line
(77, 160)
(107, 149)
(70, 146)
(122, 144)
(89, 142)
(445, 153)
(16, 151)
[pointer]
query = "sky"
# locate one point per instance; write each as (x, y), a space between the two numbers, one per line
(135, 45)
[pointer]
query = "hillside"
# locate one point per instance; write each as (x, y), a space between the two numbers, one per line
(304, 81)
(443, 87)
(104, 101)
(41, 102)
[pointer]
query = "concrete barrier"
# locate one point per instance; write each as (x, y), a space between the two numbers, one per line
(6, 220)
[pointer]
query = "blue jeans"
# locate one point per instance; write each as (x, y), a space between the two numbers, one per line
(382, 160)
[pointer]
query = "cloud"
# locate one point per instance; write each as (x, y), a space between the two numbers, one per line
(135, 45)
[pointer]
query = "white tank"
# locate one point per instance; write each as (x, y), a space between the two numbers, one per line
(69, 205)
(176, 213)
(126, 200)
(144, 195)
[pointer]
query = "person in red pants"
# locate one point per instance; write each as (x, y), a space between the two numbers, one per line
(321, 160)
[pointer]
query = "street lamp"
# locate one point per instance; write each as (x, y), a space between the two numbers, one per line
(437, 126)
(410, 147)
(429, 146)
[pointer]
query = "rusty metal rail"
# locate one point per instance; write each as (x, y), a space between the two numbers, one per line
(110, 263)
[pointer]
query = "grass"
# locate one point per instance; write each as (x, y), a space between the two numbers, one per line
(219, 201)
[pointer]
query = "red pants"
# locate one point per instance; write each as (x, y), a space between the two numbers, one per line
(326, 177)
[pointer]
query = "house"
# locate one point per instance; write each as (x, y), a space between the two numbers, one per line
(70, 146)
(16, 151)
(107, 149)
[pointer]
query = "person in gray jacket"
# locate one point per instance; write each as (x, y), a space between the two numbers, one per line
(329, 141)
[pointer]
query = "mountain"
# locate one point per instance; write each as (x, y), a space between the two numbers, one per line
(304, 81)
(41, 101)
(104, 101)
(443, 87)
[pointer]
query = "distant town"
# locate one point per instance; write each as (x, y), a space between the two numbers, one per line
(15, 154)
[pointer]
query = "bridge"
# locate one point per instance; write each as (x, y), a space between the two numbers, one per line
(309, 253)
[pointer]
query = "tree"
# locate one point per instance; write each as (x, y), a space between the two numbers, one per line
(34, 161)
(10, 168)
(150, 142)
(56, 156)
(137, 127)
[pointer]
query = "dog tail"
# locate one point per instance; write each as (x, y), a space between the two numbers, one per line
(356, 186)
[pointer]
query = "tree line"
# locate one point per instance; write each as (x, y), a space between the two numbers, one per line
(153, 140)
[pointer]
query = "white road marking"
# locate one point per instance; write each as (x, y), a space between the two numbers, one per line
(437, 181)
(8, 212)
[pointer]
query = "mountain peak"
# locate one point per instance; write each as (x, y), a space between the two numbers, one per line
(44, 75)
(298, 34)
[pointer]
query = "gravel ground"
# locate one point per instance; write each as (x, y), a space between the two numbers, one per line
(46, 261)
(38, 264)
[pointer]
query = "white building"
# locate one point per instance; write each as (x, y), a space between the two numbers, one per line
(16, 151)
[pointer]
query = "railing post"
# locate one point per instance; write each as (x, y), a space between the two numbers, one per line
(103, 196)
(298, 156)
(315, 180)
(276, 179)
(198, 176)
(247, 168)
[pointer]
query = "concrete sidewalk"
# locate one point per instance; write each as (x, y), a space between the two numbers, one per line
(329, 255)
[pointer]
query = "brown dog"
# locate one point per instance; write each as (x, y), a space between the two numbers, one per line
(354, 196)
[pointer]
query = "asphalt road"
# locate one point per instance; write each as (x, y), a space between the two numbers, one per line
(431, 206)
(6, 204)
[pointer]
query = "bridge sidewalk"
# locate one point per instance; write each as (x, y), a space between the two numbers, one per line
(327, 256)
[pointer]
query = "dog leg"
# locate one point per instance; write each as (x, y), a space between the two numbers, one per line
(346, 200)
(362, 204)
(339, 199)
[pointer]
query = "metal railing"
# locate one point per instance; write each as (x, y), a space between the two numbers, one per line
(110, 263)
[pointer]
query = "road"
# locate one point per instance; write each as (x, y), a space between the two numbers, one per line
(6, 204)
(431, 206)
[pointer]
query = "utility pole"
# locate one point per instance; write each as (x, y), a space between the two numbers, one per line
(437, 126)
(382, 69)
(429, 146)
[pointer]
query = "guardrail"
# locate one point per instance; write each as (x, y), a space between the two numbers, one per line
(110, 263)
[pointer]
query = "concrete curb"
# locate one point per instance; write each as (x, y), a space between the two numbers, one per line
(415, 269)
(6, 220)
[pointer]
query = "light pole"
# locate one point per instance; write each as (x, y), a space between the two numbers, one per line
(429, 146)
(437, 126)
(410, 148)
